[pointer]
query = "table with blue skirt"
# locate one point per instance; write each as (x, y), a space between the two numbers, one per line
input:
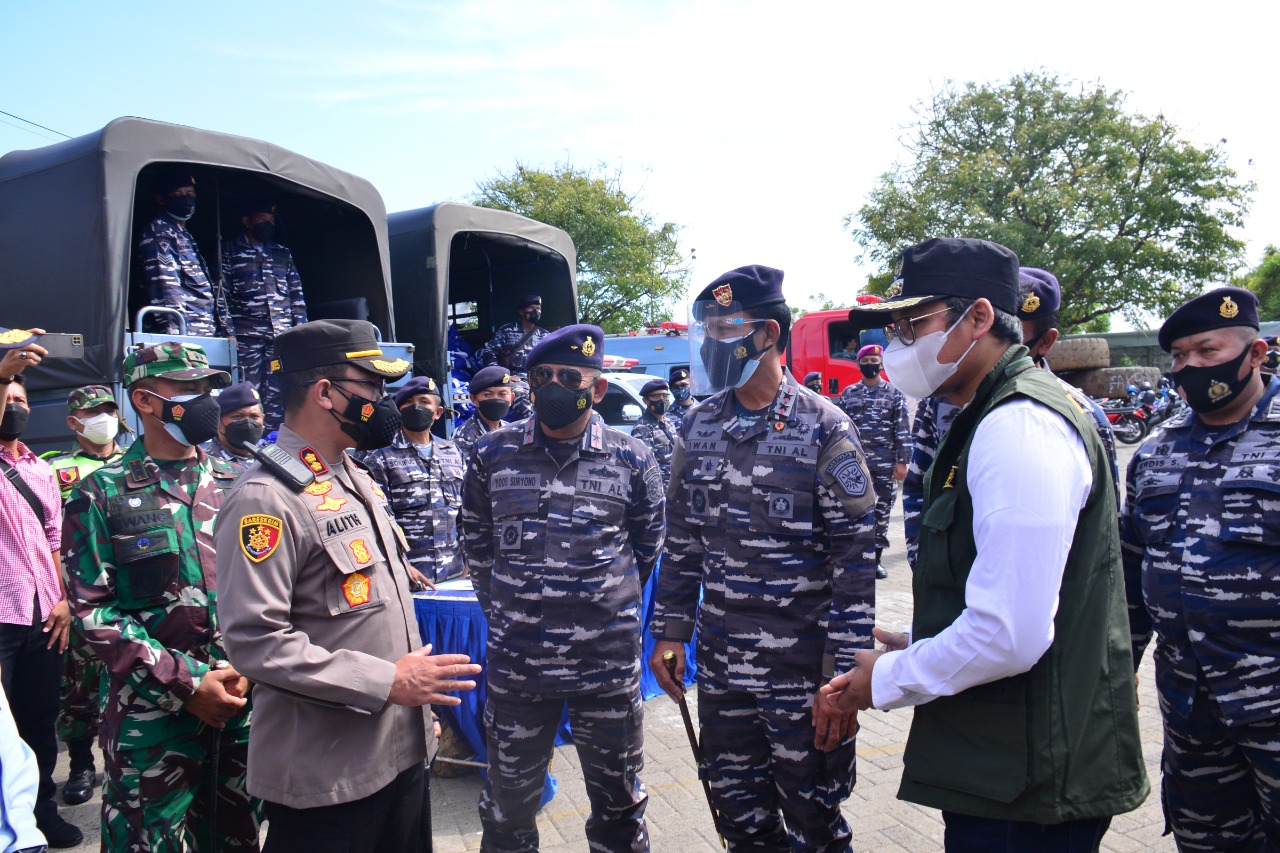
(451, 622)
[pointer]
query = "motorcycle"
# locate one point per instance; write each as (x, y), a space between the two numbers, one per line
(1129, 425)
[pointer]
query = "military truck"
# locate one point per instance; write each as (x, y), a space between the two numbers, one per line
(71, 214)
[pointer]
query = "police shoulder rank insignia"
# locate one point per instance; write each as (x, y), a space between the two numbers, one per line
(259, 536)
(321, 490)
(588, 347)
(313, 461)
(846, 471)
(1229, 309)
(1031, 303)
(68, 476)
(723, 294)
(356, 588)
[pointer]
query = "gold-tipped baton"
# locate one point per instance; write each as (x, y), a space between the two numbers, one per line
(669, 661)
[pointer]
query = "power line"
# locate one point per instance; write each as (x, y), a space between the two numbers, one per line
(34, 133)
(33, 124)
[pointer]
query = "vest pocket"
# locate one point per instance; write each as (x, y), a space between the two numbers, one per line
(933, 557)
(975, 743)
(146, 566)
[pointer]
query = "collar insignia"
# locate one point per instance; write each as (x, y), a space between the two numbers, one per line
(313, 461)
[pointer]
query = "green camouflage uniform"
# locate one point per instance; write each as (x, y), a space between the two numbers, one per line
(138, 549)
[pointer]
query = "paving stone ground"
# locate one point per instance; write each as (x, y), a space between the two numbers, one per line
(677, 814)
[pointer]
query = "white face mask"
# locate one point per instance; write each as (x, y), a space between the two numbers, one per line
(100, 429)
(915, 368)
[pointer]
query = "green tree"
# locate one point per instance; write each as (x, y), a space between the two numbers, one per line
(1129, 217)
(630, 268)
(1264, 280)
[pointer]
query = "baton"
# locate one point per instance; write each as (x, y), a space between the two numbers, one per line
(669, 661)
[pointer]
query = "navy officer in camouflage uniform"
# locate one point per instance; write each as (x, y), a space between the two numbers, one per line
(562, 525)
(681, 394)
(771, 517)
(655, 429)
(490, 393)
(264, 298)
(421, 474)
(240, 420)
(1201, 530)
(813, 381)
(510, 347)
(879, 411)
(175, 273)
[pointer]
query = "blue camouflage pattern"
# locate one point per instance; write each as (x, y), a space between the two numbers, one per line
(505, 348)
(1200, 534)
(879, 412)
(660, 435)
(237, 464)
(177, 277)
(466, 436)
(425, 495)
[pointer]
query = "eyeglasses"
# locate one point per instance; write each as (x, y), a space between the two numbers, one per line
(906, 327)
(378, 385)
(574, 380)
(726, 328)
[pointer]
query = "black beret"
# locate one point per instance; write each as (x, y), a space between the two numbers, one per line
(326, 342)
(1217, 309)
(812, 375)
(173, 179)
(531, 299)
(415, 386)
(238, 396)
(493, 376)
(942, 267)
(740, 289)
(581, 344)
(654, 385)
(678, 374)
(1039, 293)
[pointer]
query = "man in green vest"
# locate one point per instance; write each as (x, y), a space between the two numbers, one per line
(94, 417)
(1018, 663)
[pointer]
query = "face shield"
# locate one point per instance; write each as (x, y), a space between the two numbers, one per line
(722, 346)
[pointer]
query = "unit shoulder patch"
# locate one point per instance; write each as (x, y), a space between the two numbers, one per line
(259, 536)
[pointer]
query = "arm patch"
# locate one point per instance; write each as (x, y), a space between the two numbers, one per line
(844, 470)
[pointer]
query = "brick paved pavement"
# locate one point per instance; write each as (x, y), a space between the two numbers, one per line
(677, 814)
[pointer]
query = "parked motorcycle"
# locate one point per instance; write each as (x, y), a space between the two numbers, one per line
(1129, 424)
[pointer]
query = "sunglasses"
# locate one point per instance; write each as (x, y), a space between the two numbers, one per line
(568, 377)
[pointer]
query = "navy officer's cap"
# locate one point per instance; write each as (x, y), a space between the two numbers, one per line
(654, 385)
(242, 395)
(1039, 293)
(581, 344)
(743, 288)
(1217, 309)
(493, 376)
(415, 386)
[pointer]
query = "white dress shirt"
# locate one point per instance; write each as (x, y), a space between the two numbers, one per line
(1029, 477)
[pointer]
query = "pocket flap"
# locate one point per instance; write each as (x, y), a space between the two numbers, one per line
(131, 547)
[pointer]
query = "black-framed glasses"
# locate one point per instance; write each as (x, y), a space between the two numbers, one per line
(568, 377)
(906, 327)
(378, 385)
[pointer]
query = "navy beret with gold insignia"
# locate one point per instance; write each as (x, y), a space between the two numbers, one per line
(581, 344)
(1038, 293)
(678, 374)
(654, 385)
(740, 289)
(1217, 309)
(415, 386)
(493, 376)
(242, 395)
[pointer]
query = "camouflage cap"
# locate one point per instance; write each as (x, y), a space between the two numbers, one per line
(88, 397)
(172, 360)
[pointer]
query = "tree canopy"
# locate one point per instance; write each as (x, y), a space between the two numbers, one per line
(630, 269)
(1264, 280)
(1127, 215)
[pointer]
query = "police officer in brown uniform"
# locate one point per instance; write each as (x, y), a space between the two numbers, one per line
(317, 610)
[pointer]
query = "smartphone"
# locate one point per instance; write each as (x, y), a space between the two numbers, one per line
(63, 345)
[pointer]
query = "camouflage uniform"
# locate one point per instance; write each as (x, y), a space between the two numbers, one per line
(772, 518)
(508, 336)
(138, 549)
(237, 464)
(1201, 529)
(177, 277)
(264, 298)
(880, 413)
(677, 412)
(659, 435)
(424, 494)
(469, 433)
(560, 539)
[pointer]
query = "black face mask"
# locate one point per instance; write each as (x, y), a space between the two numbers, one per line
(180, 207)
(533, 317)
(371, 425)
(682, 393)
(240, 432)
(14, 422)
(263, 231)
(493, 409)
(1207, 389)
(726, 361)
(870, 371)
(190, 420)
(658, 407)
(815, 387)
(416, 418)
(556, 406)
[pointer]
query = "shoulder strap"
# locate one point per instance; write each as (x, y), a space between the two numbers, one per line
(24, 490)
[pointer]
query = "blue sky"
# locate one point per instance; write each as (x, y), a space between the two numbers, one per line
(755, 125)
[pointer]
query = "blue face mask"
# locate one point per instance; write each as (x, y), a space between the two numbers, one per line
(682, 393)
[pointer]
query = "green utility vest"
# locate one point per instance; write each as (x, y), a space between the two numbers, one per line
(72, 466)
(1059, 742)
